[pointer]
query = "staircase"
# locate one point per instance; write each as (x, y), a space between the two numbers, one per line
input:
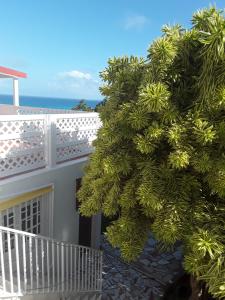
(37, 267)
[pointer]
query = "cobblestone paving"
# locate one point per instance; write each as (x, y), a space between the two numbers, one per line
(147, 278)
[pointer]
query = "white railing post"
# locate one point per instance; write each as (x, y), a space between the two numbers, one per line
(53, 266)
(78, 275)
(37, 263)
(17, 263)
(75, 268)
(16, 100)
(31, 262)
(67, 267)
(71, 268)
(2, 262)
(62, 266)
(51, 141)
(48, 265)
(24, 263)
(42, 264)
(10, 261)
(100, 271)
(58, 266)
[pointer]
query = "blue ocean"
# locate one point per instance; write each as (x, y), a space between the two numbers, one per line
(47, 102)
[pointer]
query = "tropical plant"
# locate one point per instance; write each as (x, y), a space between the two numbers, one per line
(82, 105)
(159, 162)
(99, 105)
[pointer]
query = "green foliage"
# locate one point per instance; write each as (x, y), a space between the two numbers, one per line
(179, 159)
(154, 97)
(82, 106)
(159, 163)
(204, 132)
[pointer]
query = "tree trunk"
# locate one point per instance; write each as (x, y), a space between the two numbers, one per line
(195, 288)
(199, 290)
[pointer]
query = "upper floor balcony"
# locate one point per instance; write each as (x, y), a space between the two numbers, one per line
(34, 138)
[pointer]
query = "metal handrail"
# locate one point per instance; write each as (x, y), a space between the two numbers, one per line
(33, 264)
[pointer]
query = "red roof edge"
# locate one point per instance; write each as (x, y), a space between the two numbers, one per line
(11, 72)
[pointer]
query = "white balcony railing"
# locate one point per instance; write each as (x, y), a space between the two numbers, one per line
(27, 110)
(32, 264)
(30, 142)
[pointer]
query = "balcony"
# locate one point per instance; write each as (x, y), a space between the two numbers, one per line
(32, 141)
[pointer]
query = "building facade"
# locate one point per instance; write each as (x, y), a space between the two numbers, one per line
(47, 250)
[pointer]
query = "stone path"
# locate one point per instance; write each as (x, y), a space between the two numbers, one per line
(147, 278)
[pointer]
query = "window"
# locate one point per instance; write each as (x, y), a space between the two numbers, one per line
(31, 216)
(8, 220)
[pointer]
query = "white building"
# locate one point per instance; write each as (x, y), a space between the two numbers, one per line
(47, 251)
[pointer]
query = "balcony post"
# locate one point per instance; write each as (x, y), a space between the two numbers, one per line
(51, 141)
(16, 101)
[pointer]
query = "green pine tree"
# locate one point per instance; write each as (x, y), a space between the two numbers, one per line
(159, 162)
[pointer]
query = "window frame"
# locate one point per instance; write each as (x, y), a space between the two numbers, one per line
(46, 212)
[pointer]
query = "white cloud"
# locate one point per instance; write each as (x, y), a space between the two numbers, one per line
(75, 84)
(135, 22)
(76, 74)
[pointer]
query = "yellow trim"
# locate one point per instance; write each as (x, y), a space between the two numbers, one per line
(10, 202)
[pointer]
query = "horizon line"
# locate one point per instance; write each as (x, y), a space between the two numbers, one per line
(52, 97)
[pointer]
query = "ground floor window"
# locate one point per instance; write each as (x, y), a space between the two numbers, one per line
(8, 220)
(33, 215)
(30, 214)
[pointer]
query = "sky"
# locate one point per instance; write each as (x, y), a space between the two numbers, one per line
(63, 44)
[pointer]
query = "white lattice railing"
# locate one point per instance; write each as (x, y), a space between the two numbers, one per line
(74, 134)
(30, 142)
(27, 110)
(6, 109)
(32, 264)
(22, 144)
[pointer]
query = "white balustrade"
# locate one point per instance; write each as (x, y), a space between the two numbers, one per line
(28, 110)
(22, 144)
(30, 142)
(74, 134)
(33, 264)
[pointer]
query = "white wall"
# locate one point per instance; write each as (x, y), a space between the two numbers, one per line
(65, 217)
